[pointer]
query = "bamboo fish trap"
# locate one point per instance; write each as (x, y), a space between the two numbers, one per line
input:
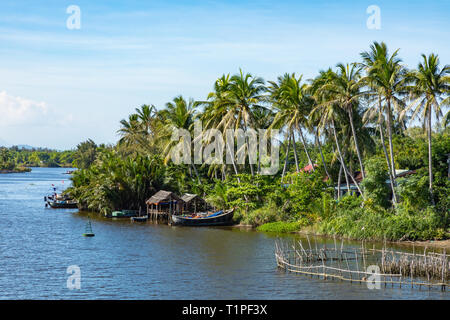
(395, 268)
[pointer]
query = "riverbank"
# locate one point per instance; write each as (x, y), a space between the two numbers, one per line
(311, 231)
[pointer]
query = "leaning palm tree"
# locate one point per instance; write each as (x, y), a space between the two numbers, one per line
(345, 89)
(375, 114)
(330, 114)
(388, 78)
(430, 90)
(446, 118)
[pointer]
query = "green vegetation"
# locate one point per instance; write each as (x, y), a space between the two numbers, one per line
(17, 159)
(281, 227)
(354, 126)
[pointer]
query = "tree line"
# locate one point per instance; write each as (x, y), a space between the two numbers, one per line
(371, 117)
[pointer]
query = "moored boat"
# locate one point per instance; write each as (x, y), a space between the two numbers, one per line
(60, 201)
(65, 204)
(124, 214)
(139, 219)
(219, 218)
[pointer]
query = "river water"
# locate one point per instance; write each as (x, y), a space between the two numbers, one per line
(128, 260)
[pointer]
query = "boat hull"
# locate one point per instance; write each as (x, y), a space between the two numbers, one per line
(139, 219)
(59, 205)
(223, 219)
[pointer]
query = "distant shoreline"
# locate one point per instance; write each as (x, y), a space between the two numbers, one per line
(17, 170)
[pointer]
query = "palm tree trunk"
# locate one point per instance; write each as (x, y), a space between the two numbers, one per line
(321, 154)
(248, 148)
(295, 152)
(391, 175)
(339, 182)
(430, 164)
(286, 156)
(350, 114)
(196, 173)
(232, 161)
(342, 160)
(304, 146)
(391, 146)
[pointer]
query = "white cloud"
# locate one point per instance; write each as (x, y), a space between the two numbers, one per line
(18, 111)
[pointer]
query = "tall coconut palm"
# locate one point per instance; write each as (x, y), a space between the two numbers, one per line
(292, 103)
(346, 91)
(375, 113)
(245, 93)
(216, 114)
(330, 113)
(178, 114)
(429, 90)
(387, 77)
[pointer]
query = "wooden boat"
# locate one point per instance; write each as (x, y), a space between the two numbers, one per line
(59, 201)
(62, 204)
(139, 219)
(219, 218)
(124, 214)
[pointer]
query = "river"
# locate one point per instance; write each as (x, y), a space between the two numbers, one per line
(128, 260)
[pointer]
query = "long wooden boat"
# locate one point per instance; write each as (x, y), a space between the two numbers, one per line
(219, 218)
(139, 219)
(65, 204)
(60, 201)
(124, 214)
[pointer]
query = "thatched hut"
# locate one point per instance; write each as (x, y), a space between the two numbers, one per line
(163, 204)
(193, 203)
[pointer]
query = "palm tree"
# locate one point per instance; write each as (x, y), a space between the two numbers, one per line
(146, 115)
(131, 131)
(430, 85)
(329, 112)
(387, 77)
(345, 89)
(178, 114)
(245, 94)
(292, 103)
(446, 118)
(216, 114)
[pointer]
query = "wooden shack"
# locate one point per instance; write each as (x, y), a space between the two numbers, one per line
(193, 203)
(163, 204)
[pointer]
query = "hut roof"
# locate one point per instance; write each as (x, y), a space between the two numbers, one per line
(188, 197)
(163, 196)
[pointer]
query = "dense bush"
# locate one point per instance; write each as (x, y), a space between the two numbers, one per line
(374, 185)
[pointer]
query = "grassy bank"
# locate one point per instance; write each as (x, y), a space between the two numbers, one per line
(354, 219)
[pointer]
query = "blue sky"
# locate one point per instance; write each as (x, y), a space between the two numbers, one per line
(60, 86)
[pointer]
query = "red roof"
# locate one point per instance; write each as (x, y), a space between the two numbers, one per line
(308, 168)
